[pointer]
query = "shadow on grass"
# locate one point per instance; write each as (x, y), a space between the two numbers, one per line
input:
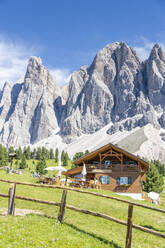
(153, 228)
(105, 241)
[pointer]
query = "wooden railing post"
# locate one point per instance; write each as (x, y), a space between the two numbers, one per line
(62, 206)
(129, 227)
(11, 201)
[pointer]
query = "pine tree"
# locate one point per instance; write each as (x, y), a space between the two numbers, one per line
(11, 149)
(23, 163)
(65, 160)
(78, 155)
(51, 154)
(56, 155)
(38, 153)
(160, 167)
(6, 156)
(28, 153)
(1, 151)
(154, 181)
(19, 153)
(67, 156)
(62, 155)
(33, 154)
(3, 156)
(3, 161)
(41, 165)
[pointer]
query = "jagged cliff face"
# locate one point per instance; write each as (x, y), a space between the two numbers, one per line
(32, 116)
(117, 88)
(107, 91)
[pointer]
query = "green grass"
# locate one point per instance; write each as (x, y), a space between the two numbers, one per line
(78, 230)
(32, 165)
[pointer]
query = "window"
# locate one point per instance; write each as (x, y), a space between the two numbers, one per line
(107, 162)
(123, 180)
(129, 162)
(104, 179)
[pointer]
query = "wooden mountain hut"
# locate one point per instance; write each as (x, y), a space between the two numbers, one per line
(116, 169)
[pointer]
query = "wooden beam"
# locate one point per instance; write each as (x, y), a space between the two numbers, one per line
(121, 158)
(62, 206)
(129, 227)
(100, 160)
(108, 152)
(77, 190)
(94, 214)
(111, 155)
(11, 201)
(139, 166)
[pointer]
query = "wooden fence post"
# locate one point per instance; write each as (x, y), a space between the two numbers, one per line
(62, 206)
(11, 201)
(129, 227)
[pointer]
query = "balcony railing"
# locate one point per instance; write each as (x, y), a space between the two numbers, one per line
(113, 167)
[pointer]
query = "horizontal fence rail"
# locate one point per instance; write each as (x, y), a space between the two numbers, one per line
(85, 192)
(11, 207)
(85, 211)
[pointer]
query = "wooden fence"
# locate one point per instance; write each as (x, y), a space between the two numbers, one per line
(62, 206)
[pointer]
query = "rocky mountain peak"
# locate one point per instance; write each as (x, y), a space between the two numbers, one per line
(6, 86)
(6, 92)
(116, 89)
(38, 76)
(155, 75)
(157, 53)
(113, 57)
(35, 61)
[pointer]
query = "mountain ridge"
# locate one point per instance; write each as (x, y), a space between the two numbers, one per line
(117, 89)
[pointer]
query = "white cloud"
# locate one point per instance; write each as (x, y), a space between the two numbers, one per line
(14, 57)
(62, 76)
(144, 49)
(13, 60)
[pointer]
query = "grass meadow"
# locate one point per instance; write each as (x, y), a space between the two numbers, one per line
(79, 230)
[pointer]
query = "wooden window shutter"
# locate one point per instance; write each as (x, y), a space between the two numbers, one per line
(108, 179)
(118, 180)
(100, 179)
(129, 180)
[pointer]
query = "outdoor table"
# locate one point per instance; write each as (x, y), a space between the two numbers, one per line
(79, 183)
(75, 183)
(48, 180)
(84, 184)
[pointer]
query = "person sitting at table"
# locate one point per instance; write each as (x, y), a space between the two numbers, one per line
(96, 182)
(53, 178)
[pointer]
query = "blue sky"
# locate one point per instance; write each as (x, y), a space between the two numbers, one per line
(67, 34)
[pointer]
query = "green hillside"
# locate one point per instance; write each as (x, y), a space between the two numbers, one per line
(78, 230)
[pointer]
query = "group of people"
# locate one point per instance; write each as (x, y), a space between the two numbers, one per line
(10, 171)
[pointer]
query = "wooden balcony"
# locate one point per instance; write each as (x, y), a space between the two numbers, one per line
(112, 168)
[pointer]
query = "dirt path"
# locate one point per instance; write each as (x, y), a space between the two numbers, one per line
(20, 212)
